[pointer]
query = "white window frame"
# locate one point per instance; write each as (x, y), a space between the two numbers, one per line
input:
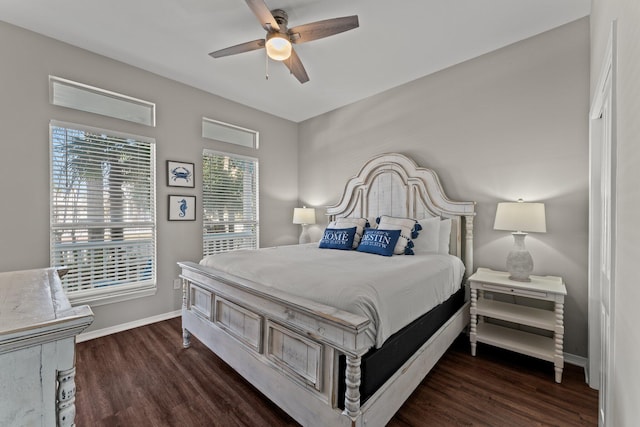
(140, 252)
(79, 96)
(223, 241)
(231, 134)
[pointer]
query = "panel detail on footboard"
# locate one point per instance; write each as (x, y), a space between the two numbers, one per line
(242, 324)
(200, 301)
(298, 355)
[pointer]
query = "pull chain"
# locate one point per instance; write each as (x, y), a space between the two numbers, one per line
(266, 65)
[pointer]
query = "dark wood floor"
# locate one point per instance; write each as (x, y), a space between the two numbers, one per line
(143, 377)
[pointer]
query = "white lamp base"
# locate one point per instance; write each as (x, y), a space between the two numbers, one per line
(519, 260)
(304, 236)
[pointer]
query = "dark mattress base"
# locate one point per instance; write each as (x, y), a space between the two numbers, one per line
(378, 365)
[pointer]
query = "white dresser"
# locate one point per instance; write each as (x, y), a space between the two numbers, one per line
(38, 328)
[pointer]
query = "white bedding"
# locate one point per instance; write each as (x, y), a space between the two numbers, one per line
(390, 291)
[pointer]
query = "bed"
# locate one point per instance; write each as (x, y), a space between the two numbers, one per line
(339, 357)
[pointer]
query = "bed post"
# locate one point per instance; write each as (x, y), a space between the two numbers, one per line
(352, 393)
(468, 246)
(186, 335)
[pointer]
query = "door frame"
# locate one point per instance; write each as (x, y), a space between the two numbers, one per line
(602, 125)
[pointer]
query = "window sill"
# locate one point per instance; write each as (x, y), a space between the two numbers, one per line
(100, 297)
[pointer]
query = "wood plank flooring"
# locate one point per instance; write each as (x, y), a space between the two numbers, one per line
(143, 377)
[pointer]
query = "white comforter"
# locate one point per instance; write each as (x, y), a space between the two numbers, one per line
(390, 291)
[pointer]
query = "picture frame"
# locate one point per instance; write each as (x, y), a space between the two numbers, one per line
(180, 174)
(182, 207)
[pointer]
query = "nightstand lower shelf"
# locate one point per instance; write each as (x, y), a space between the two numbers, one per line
(516, 340)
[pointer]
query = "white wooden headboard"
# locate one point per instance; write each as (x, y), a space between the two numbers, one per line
(392, 184)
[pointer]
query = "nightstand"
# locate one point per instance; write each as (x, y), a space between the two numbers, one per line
(547, 288)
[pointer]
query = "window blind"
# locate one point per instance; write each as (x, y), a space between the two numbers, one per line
(230, 202)
(103, 218)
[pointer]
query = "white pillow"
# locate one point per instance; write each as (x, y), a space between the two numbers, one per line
(406, 227)
(445, 236)
(429, 238)
(359, 223)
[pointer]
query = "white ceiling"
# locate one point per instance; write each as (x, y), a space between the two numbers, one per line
(397, 42)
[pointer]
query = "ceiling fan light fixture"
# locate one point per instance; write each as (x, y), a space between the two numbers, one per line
(278, 47)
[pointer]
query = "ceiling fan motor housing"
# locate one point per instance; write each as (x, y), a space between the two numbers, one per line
(281, 18)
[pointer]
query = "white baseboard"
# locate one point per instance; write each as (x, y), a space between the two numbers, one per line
(580, 361)
(572, 359)
(125, 326)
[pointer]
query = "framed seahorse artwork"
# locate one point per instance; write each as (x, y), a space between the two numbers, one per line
(182, 208)
(180, 174)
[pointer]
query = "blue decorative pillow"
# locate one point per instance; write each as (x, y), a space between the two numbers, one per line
(381, 242)
(409, 230)
(359, 223)
(338, 238)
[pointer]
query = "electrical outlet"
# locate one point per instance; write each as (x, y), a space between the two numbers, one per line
(177, 284)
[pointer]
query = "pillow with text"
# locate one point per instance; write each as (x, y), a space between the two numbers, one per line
(338, 238)
(378, 241)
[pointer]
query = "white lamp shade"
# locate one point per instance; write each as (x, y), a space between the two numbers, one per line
(304, 216)
(520, 216)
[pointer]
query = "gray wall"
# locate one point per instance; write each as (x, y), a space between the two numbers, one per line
(27, 61)
(625, 351)
(509, 124)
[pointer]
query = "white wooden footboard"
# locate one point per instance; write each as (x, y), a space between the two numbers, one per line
(288, 349)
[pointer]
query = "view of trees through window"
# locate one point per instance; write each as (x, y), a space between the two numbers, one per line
(102, 208)
(230, 202)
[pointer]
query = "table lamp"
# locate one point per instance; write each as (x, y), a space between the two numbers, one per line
(304, 216)
(520, 217)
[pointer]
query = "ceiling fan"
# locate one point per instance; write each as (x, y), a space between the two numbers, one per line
(279, 39)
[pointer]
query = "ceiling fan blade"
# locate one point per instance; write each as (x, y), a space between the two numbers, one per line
(262, 12)
(295, 66)
(320, 29)
(240, 48)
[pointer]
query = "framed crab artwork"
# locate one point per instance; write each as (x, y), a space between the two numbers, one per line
(180, 174)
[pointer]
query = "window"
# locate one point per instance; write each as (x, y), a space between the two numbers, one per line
(70, 94)
(232, 134)
(103, 219)
(230, 202)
